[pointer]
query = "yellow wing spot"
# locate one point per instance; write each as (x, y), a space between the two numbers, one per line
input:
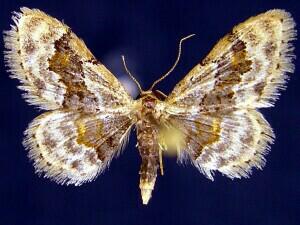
(89, 136)
(208, 133)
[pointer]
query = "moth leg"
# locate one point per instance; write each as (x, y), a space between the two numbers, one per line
(161, 166)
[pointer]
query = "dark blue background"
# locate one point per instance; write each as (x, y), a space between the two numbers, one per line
(147, 32)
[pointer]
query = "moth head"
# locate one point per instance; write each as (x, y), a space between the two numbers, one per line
(149, 91)
(149, 100)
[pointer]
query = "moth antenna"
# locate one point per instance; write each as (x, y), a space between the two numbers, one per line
(175, 64)
(161, 93)
(131, 76)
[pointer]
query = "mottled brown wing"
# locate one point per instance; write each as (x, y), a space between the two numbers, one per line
(214, 106)
(245, 69)
(72, 148)
(55, 67)
(231, 143)
(91, 114)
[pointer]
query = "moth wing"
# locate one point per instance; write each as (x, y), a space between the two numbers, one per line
(214, 106)
(71, 147)
(232, 143)
(55, 67)
(245, 69)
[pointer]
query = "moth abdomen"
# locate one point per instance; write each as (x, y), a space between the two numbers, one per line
(148, 149)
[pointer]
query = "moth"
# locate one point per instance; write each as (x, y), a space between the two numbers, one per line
(210, 119)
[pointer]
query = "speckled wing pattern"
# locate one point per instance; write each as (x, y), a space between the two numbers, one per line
(89, 117)
(71, 147)
(211, 117)
(215, 105)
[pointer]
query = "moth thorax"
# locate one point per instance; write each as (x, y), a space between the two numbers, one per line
(149, 108)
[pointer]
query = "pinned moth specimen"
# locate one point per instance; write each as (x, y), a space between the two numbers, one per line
(210, 118)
